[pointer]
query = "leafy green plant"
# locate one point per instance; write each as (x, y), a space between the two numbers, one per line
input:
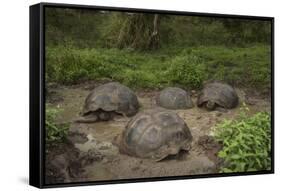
(54, 132)
(187, 70)
(246, 142)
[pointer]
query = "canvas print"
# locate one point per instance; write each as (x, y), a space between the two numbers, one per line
(132, 95)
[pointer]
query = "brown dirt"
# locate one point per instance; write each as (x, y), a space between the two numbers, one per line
(97, 138)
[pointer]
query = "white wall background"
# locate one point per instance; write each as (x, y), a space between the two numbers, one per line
(14, 87)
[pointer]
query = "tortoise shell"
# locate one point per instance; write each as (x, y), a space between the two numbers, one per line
(219, 93)
(155, 134)
(174, 98)
(112, 96)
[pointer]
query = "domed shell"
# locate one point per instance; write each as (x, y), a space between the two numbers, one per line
(220, 93)
(155, 134)
(112, 96)
(174, 98)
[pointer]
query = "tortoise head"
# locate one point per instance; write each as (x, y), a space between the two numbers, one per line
(210, 105)
(104, 116)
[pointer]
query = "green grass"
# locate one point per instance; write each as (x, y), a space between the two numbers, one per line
(186, 67)
(246, 143)
(243, 66)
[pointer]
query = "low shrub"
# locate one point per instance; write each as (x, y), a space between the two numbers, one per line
(246, 143)
(54, 132)
(187, 70)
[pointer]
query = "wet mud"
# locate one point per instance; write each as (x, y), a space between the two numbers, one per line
(100, 159)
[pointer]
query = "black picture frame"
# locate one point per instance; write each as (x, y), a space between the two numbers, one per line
(37, 94)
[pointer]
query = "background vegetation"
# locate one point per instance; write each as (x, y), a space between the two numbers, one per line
(152, 51)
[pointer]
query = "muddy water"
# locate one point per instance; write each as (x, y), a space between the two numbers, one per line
(113, 165)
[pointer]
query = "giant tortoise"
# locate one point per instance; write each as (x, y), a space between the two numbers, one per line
(155, 134)
(217, 94)
(174, 98)
(107, 100)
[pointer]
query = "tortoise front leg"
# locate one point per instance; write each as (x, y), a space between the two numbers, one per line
(221, 109)
(90, 118)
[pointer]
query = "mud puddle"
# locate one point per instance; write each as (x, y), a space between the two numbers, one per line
(97, 138)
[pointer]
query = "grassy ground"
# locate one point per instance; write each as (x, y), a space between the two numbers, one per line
(186, 67)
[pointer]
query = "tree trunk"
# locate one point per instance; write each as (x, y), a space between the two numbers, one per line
(139, 31)
(155, 39)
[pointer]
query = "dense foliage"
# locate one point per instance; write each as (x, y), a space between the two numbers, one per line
(87, 28)
(246, 143)
(54, 132)
(152, 51)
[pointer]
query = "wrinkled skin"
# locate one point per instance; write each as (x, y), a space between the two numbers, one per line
(155, 134)
(95, 116)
